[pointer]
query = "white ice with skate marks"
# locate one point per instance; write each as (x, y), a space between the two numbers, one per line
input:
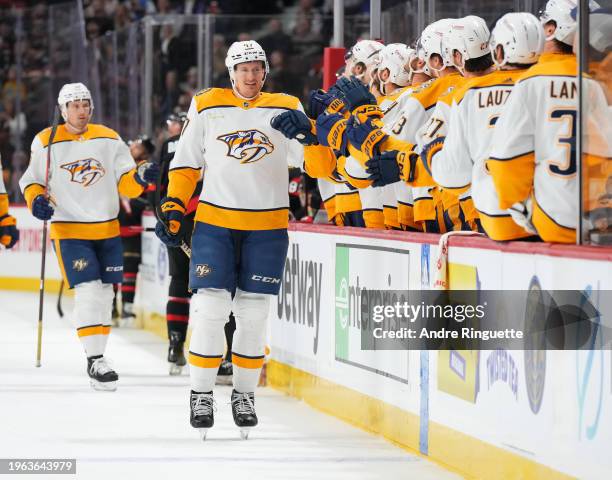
(142, 430)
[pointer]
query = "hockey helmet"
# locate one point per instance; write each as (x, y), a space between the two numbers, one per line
(521, 36)
(72, 92)
(430, 42)
(395, 58)
(469, 36)
(366, 52)
(243, 52)
(560, 12)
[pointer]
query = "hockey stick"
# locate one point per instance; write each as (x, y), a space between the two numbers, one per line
(44, 240)
(137, 229)
(156, 210)
(60, 312)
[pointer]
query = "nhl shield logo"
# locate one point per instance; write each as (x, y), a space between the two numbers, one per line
(86, 171)
(79, 264)
(247, 145)
(203, 269)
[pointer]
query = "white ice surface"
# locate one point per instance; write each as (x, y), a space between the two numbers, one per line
(142, 430)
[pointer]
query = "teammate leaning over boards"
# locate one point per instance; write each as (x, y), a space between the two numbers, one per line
(466, 47)
(533, 161)
(90, 167)
(353, 207)
(458, 165)
(9, 235)
(393, 82)
(240, 236)
(367, 137)
(361, 206)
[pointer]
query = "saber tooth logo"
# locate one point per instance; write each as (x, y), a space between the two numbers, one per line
(85, 171)
(247, 145)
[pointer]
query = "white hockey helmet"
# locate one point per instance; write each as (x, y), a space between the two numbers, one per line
(72, 92)
(469, 36)
(414, 57)
(366, 52)
(430, 42)
(243, 52)
(395, 57)
(560, 12)
(521, 36)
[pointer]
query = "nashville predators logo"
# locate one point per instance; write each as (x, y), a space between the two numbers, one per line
(203, 270)
(247, 145)
(79, 264)
(86, 171)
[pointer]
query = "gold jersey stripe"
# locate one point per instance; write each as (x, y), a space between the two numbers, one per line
(85, 231)
(242, 219)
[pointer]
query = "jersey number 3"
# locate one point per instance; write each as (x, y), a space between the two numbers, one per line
(566, 141)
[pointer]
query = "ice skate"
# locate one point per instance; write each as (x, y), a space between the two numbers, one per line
(176, 354)
(202, 412)
(243, 410)
(128, 318)
(101, 376)
(224, 374)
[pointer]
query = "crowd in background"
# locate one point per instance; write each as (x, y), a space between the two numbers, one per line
(294, 39)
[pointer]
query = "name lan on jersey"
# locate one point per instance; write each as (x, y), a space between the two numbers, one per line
(247, 145)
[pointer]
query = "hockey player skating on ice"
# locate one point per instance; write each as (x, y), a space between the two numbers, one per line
(90, 166)
(240, 236)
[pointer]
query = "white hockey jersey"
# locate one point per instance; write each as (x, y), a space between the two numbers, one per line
(460, 165)
(86, 175)
(244, 160)
(534, 147)
(414, 125)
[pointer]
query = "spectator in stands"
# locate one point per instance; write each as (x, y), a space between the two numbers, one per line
(16, 122)
(275, 38)
(101, 9)
(122, 17)
(10, 88)
(280, 79)
(171, 93)
(190, 85)
(306, 9)
(307, 42)
(92, 29)
(219, 68)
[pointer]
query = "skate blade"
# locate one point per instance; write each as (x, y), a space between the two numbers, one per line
(103, 386)
(224, 380)
(244, 433)
(128, 322)
(203, 432)
(175, 369)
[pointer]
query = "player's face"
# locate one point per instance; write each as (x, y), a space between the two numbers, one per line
(77, 114)
(249, 78)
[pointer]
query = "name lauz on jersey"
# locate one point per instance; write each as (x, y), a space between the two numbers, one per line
(247, 145)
